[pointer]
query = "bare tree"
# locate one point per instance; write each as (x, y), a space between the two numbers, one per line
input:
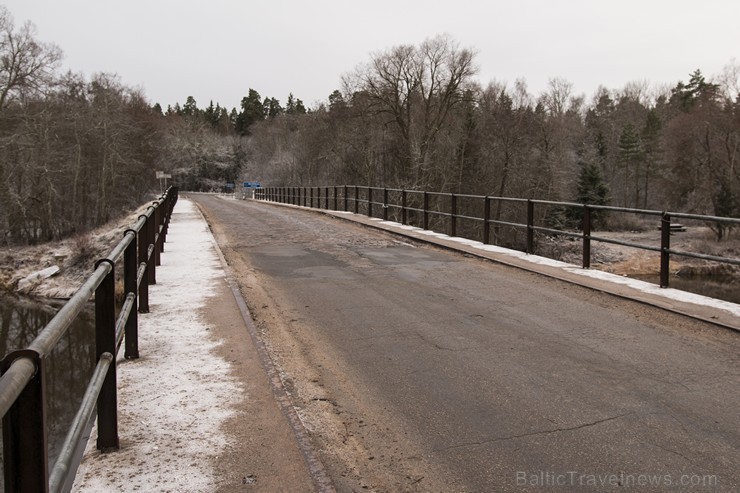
(417, 87)
(26, 64)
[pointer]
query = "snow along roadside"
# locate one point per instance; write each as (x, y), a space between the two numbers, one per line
(173, 400)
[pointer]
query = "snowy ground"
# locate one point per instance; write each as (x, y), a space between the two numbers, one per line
(174, 399)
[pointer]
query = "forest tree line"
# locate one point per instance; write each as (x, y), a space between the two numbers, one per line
(75, 152)
(415, 117)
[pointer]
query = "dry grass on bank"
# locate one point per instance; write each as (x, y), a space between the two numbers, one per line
(75, 257)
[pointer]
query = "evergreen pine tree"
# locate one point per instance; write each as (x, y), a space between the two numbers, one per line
(592, 190)
(253, 110)
(190, 108)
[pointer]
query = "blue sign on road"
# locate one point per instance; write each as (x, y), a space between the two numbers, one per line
(251, 184)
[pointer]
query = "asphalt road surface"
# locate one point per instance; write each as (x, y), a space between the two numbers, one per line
(419, 369)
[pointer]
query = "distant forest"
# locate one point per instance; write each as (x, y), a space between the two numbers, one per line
(75, 152)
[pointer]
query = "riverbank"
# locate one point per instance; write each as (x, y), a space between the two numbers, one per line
(57, 269)
(628, 261)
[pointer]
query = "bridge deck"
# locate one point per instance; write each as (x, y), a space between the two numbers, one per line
(416, 369)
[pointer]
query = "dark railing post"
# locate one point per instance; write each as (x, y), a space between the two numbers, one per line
(156, 238)
(665, 247)
(163, 208)
(346, 205)
(486, 220)
(326, 198)
(143, 247)
(105, 342)
(25, 440)
(530, 226)
(404, 218)
(426, 211)
(165, 220)
(357, 199)
(369, 202)
(336, 198)
(151, 235)
(310, 203)
(586, 237)
(453, 214)
(130, 274)
(385, 204)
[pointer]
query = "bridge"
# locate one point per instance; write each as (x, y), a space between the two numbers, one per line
(353, 353)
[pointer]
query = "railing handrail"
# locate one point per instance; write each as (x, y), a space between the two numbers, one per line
(351, 193)
(22, 380)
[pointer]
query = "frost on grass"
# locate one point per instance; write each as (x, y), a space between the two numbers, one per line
(173, 399)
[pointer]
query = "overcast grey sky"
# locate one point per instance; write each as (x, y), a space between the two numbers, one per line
(218, 49)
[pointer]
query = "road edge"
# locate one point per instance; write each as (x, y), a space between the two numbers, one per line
(316, 469)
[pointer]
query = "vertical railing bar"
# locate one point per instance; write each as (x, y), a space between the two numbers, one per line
(453, 214)
(25, 439)
(385, 204)
(404, 212)
(130, 274)
(486, 220)
(665, 247)
(143, 245)
(426, 211)
(105, 342)
(530, 226)
(586, 264)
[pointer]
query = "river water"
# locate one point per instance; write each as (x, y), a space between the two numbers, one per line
(67, 369)
(719, 287)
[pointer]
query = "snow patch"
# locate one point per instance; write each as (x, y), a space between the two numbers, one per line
(174, 399)
(35, 278)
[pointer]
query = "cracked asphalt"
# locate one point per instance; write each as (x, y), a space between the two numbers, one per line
(418, 369)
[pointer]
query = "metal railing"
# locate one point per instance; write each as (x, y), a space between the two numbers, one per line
(22, 400)
(436, 205)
